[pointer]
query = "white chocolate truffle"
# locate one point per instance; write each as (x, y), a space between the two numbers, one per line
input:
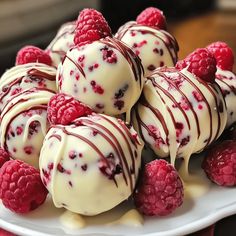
(155, 47)
(179, 114)
(105, 75)
(227, 82)
(91, 166)
(22, 77)
(62, 42)
(24, 124)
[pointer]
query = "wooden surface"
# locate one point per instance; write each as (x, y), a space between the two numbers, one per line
(199, 31)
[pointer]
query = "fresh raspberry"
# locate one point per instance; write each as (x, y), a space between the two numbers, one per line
(4, 156)
(223, 54)
(90, 26)
(160, 190)
(6, 233)
(63, 109)
(21, 188)
(220, 163)
(201, 63)
(30, 54)
(153, 17)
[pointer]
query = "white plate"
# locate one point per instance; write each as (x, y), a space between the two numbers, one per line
(199, 211)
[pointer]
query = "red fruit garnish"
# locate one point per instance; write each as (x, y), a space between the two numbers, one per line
(201, 63)
(21, 188)
(4, 156)
(30, 54)
(90, 26)
(223, 54)
(160, 190)
(6, 233)
(153, 17)
(220, 163)
(63, 109)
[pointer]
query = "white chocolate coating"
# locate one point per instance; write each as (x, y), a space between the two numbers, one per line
(227, 82)
(179, 114)
(91, 166)
(24, 124)
(62, 42)
(155, 47)
(106, 75)
(22, 77)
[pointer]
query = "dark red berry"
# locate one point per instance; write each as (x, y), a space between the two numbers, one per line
(223, 54)
(91, 26)
(201, 63)
(220, 163)
(21, 188)
(63, 109)
(153, 17)
(160, 190)
(30, 54)
(4, 156)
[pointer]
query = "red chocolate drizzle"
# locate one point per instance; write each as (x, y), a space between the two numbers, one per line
(40, 74)
(75, 63)
(6, 89)
(170, 42)
(123, 135)
(37, 107)
(222, 79)
(172, 99)
(130, 56)
(156, 112)
(186, 99)
(28, 91)
(87, 141)
(37, 73)
(113, 141)
(57, 136)
(207, 104)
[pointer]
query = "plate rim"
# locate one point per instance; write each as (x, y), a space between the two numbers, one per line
(218, 214)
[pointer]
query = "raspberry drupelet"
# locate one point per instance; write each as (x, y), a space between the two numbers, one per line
(90, 26)
(152, 16)
(4, 156)
(220, 163)
(160, 190)
(63, 109)
(21, 189)
(201, 63)
(30, 54)
(223, 54)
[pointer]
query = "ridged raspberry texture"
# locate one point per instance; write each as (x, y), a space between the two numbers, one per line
(223, 54)
(4, 156)
(63, 109)
(160, 190)
(21, 188)
(90, 26)
(220, 163)
(201, 63)
(30, 54)
(153, 17)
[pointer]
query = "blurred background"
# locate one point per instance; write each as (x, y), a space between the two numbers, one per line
(195, 23)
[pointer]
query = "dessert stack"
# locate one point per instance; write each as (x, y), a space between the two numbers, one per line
(76, 116)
